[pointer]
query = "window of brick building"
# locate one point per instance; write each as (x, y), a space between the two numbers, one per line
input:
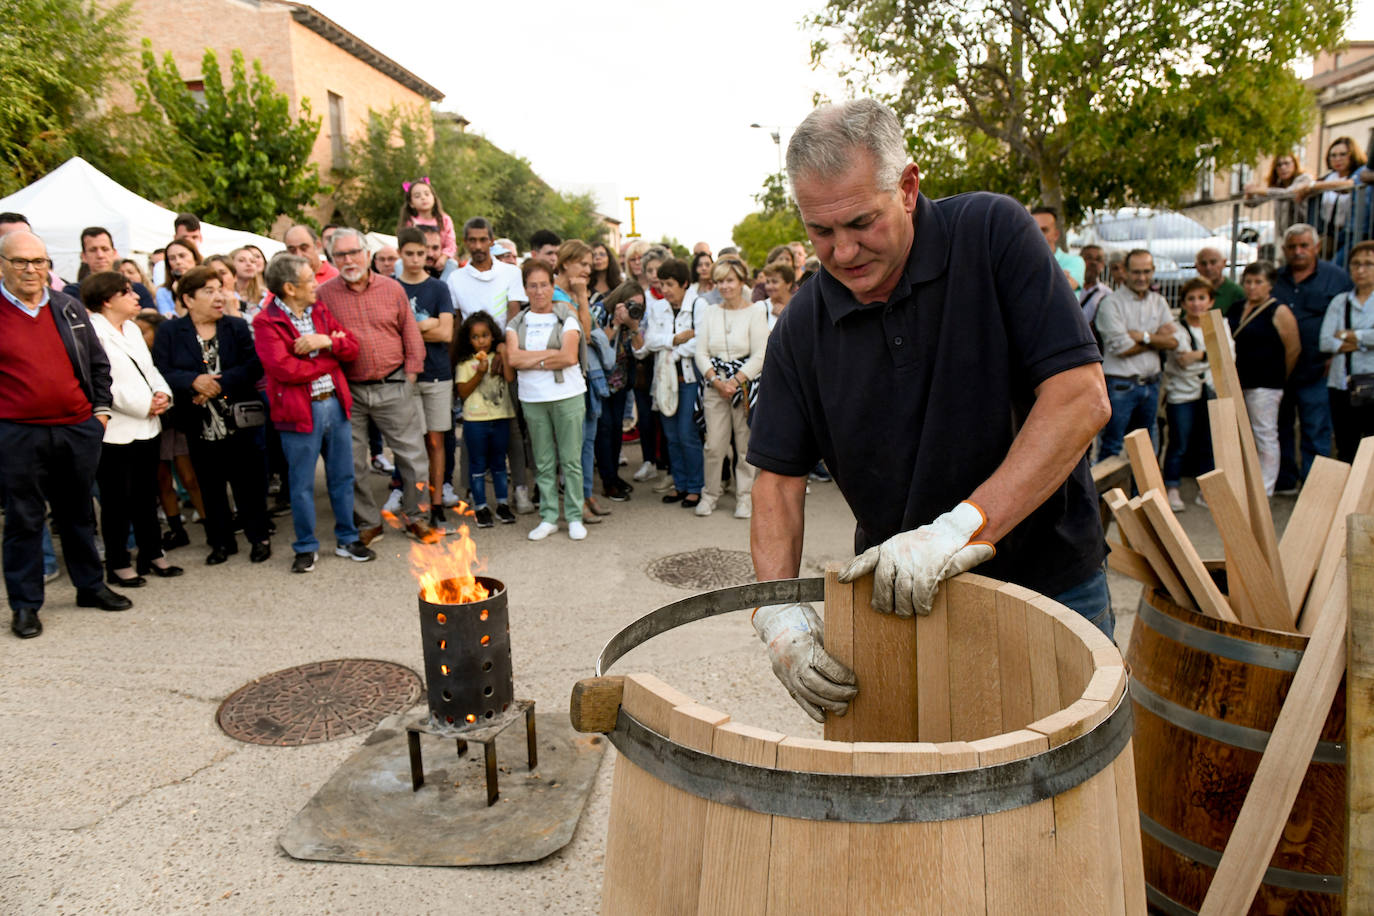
(338, 137)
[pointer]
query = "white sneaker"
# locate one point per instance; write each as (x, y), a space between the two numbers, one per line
(1200, 501)
(450, 498)
(577, 531)
(393, 503)
(380, 465)
(705, 506)
(523, 504)
(744, 506)
(1175, 501)
(666, 485)
(646, 471)
(544, 529)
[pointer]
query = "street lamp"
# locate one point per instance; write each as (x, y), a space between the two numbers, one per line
(774, 131)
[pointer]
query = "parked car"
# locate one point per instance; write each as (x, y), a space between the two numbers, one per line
(1163, 233)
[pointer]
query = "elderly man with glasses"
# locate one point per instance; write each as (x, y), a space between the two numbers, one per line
(54, 404)
(376, 311)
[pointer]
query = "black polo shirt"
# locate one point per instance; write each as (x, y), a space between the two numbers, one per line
(914, 403)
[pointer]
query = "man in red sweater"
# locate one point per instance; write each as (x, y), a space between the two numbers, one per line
(54, 404)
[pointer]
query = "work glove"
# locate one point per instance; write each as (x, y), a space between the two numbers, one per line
(793, 634)
(908, 567)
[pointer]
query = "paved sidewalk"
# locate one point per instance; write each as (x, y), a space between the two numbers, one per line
(121, 795)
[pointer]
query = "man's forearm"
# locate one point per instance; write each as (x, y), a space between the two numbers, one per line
(1070, 409)
(778, 525)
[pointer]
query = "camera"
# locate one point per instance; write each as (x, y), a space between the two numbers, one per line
(636, 310)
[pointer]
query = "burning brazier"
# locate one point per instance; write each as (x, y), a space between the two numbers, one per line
(465, 630)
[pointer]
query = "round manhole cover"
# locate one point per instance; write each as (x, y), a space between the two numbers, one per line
(707, 568)
(318, 702)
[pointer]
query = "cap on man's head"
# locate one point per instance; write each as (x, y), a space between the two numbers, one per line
(497, 250)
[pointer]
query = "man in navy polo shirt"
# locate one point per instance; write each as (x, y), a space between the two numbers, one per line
(98, 253)
(940, 356)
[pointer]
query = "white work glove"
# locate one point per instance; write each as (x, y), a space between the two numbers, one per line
(793, 634)
(908, 567)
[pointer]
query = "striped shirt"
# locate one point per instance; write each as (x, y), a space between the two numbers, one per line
(379, 317)
(304, 325)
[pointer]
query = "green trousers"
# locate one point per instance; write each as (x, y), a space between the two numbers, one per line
(556, 440)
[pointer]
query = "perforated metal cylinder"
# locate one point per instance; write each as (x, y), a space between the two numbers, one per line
(467, 659)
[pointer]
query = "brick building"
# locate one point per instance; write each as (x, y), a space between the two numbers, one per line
(308, 55)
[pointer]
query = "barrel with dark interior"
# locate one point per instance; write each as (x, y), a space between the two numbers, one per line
(1207, 694)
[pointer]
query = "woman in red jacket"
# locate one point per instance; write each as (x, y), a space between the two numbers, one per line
(301, 346)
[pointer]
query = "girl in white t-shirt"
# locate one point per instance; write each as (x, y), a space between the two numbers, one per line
(487, 411)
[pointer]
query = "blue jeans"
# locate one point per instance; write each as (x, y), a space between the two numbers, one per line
(1133, 407)
(487, 442)
(684, 444)
(1190, 438)
(49, 554)
(332, 437)
(608, 438)
(1092, 601)
(1313, 408)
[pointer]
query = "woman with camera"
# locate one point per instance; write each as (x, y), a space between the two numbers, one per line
(209, 360)
(729, 356)
(623, 311)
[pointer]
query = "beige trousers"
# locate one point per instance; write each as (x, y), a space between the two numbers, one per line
(721, 418)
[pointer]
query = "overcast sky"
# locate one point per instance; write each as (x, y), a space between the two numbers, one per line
(626, 98)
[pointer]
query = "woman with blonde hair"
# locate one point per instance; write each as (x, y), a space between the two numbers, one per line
(248, 278)
(729, 357)
(1337, 188)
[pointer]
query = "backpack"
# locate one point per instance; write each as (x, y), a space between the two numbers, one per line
(555, 342)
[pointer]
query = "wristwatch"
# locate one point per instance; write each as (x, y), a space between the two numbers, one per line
(1145, 338)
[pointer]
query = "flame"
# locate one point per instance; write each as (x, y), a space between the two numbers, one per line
(447, 571)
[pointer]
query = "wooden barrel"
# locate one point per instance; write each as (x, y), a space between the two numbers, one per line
(1206, 695)
(1014, 793)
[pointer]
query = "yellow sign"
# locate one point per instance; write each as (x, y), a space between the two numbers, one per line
(632, 234)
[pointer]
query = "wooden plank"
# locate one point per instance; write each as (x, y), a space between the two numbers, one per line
(962, 873)
(1108, 467)
(809, 862)
(1209, 598)
(1128, 816)
(1217, 334)
(734, 862)
(1279, 775)
(1013, 653)
(884, 660)
(839, 642)
(1129, 563)
(1356, 499)
(894, 868)
(1041, 630)
(1221, 417)
(1072, 656)
(1266, 603)
(1359, 718)
(932, 670)
(975, 687)
(1144, 463)
(1140, 538)
(634, 837)
(684, 815)
(1308, 526)
(595, 703)
(1018, 845)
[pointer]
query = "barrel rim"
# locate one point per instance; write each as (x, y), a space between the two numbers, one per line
(1279, 639)
(1212, 641)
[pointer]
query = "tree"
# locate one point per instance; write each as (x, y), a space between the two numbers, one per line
(775, 223)
(251, 155)
(679, 250)
(1083, 103)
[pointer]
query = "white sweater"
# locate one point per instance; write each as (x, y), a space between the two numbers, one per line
(133, 379)
(733, 334)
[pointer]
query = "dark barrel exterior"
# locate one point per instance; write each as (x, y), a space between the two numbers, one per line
(467, 658)
(1207, 693)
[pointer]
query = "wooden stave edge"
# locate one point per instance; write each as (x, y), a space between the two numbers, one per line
(1107, 679)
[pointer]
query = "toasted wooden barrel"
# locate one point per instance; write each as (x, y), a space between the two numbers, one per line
(1016, 794)
(1206, 696)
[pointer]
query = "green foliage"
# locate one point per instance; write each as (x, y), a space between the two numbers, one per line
(57, 58)
(1083, 103)
(251, 156)
(777, 223)
(471, 176)
(679, 250)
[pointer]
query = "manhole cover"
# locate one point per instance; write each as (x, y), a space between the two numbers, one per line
(707, 568)
(318, 702)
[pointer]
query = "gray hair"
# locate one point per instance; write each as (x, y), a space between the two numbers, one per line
(344, 232)
(824, 143)
(284, 268)
(1300, 229)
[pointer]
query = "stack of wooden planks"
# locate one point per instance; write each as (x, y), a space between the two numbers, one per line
(1277, 584)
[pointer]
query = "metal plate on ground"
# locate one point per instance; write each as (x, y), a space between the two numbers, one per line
(708, 568)
(367, 812)
(318, 702)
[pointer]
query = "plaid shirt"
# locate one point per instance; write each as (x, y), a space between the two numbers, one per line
(379, 317)
(306, 325)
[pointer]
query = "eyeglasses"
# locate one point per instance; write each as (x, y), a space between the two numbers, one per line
(26, 263)
(350, 253)
(1361, 265)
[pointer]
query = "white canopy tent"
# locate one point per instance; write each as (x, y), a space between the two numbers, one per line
(76, 194)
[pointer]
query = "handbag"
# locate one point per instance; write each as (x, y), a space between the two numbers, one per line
(665, 386)
(247, 414)
(1361, 386)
